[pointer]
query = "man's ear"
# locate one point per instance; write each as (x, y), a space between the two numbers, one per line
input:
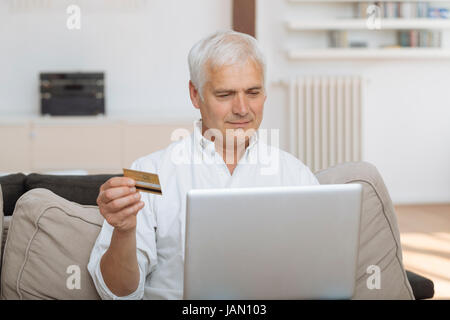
(195, 96)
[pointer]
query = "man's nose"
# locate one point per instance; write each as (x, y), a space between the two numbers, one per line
(240, 105)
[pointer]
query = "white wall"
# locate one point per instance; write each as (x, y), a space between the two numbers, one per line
(407, 115)
(143, 52)
(142, 49)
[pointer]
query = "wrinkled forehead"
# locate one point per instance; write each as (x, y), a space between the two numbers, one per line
(247, 73)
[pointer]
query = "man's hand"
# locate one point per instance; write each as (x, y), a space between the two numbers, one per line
(119, 203)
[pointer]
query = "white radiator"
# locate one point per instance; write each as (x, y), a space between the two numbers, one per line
(325, 119)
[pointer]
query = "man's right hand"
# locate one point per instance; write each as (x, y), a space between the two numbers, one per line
(119, 203)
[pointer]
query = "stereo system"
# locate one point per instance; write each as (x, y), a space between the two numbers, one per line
(72, 94)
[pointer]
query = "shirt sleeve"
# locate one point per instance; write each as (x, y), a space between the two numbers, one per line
(145, 246)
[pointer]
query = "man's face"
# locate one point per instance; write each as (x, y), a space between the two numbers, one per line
(233, 98)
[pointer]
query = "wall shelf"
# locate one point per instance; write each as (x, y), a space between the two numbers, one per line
(344, 1)
(363, 53)
(417, 37)
(360, 24)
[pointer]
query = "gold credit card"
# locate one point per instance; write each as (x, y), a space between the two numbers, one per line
(145, 181)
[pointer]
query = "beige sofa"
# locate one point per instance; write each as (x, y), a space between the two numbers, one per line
(49, 240)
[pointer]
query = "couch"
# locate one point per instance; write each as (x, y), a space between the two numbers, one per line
(51, 222)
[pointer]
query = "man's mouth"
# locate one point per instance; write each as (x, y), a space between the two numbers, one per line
(239, 123)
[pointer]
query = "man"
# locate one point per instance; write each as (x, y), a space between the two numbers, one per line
(139, 252)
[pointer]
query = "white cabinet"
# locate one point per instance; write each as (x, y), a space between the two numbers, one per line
(89, 144)
(68, 146)
(15, 144)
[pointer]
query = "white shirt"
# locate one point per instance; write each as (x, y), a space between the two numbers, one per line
(191, 163)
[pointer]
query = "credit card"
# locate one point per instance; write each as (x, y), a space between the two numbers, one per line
(145, 181)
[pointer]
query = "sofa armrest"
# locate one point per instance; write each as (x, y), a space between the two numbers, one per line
(379, 243)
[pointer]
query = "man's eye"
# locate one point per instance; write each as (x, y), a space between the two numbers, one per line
(254, 93)
(223, 95)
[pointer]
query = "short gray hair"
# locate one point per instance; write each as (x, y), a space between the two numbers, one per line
(219, 49)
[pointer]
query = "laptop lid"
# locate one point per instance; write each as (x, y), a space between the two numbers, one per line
(272, 243)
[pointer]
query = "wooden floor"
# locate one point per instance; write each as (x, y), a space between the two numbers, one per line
(425, 238)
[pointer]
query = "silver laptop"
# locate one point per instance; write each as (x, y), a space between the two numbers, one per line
(272, 242)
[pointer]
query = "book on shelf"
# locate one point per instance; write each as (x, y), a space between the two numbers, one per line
(358, 44)
(337, 39)
(408, 38)
(406, 10)
(419, 39)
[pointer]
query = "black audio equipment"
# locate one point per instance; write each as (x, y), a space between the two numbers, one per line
(72, 94)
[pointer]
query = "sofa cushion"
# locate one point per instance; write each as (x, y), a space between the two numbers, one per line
(12, 188)
(379, 235)
(6, 222)
(49, 238)
(80, 189)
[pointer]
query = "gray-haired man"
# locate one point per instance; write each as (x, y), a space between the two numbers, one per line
(139, 252)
